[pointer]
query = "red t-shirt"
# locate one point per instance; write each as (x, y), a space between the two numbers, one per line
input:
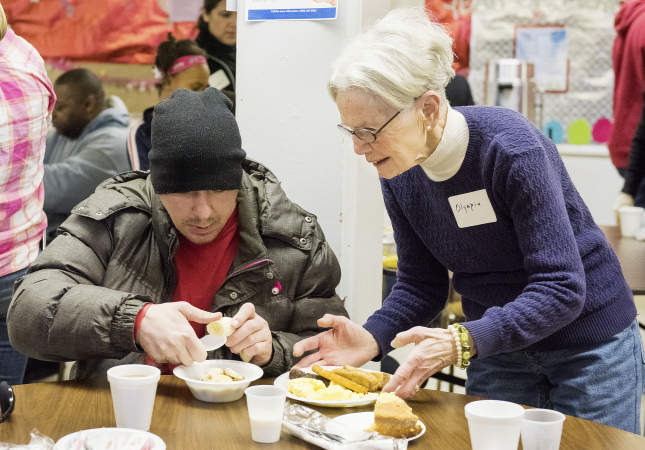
(202, 268)
(201, 271)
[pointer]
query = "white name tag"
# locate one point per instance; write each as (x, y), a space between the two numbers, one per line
(219, 80)
(472, 209)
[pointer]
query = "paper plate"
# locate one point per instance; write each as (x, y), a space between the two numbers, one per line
(361, 421)
(284, 378)
(66, 442)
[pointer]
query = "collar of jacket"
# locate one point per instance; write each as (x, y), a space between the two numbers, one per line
(263, 208)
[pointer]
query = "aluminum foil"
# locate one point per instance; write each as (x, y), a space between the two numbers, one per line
(316, 428)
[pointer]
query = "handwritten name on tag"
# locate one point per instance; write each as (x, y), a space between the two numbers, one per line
(472, 209)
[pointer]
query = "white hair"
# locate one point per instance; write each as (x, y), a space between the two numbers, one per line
(399, 58)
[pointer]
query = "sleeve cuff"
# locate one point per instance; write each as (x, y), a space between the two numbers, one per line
(485, 336)
(275, 365)
(122, 331)
(383, 335)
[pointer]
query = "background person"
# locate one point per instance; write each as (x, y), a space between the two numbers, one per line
(26, 102)
(633, 192)
(218, 35)
(629, 86)
(481, 192)
(87, 146)
(151, 257)
(181, 65)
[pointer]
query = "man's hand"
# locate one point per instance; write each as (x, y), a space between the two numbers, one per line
(435, 349)
(252, 335)
(346, 343)
(166, 335)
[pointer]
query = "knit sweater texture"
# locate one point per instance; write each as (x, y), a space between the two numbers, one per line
(541, 277)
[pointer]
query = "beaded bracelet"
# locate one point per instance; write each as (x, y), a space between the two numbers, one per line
(460, 333)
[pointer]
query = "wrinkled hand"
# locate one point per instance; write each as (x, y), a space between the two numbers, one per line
(435, 349)
(252, 335)
(346, 343)
(166, 335)
(622, 200)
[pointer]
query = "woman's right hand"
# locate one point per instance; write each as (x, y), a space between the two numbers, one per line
(347, 343)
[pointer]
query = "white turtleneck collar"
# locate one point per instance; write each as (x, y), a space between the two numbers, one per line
(447, 158)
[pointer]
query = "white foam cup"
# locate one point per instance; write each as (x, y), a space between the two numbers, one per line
(542, 429)
(133, 388)
(630, 220)
(266, 408)
(494, 424)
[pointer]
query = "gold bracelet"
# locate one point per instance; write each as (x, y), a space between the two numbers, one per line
(460, 333)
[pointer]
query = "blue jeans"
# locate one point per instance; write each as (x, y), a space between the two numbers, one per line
(601, 382)
(12, 363)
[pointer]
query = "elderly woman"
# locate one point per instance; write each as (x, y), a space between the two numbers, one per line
(479, 191)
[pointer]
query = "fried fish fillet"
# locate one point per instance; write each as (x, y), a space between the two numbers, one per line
(365, 379)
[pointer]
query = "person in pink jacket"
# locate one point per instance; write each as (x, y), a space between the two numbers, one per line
(27, 99)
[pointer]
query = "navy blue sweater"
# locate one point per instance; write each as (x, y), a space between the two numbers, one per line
(541, 277)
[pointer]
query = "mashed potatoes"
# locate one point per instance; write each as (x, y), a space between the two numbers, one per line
(315, 390)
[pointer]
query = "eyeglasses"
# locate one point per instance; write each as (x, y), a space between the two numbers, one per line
(364, 134)
(7, 401)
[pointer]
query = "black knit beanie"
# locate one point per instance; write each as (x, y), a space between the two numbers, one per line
(196, 144)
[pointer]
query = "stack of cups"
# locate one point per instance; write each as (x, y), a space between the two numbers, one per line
(630, 220)
(133, 388)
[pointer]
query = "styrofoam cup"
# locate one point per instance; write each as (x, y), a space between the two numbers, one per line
(630, 220)
(494, 424)
(266, 408)
(133, 388)
(542, 429)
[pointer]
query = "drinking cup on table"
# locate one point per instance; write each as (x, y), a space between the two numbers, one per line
(133, 388)
(630, 220)
(542, 429)
(266, 408)
(494, 424)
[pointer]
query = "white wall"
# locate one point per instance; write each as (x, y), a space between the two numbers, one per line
(288, 122)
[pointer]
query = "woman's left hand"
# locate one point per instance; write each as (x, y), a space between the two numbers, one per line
(435, 349)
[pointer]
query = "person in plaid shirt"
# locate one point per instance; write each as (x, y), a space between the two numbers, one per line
(26, 102)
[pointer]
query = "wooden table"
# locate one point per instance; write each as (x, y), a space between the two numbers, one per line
(631, 255)
(57, 409)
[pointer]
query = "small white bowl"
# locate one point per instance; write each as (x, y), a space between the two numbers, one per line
(208, 391)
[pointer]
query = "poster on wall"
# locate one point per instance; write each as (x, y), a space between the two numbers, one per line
(185, 10)
(291, 9)
(545, 47)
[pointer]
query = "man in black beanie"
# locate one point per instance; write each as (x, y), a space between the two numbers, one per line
(149, 259)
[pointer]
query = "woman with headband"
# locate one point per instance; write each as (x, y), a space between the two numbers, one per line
(179, 65)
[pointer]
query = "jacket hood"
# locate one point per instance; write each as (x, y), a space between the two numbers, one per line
(628, 13)
(116, 115)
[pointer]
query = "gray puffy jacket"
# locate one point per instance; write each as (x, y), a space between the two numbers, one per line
(81, 297)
